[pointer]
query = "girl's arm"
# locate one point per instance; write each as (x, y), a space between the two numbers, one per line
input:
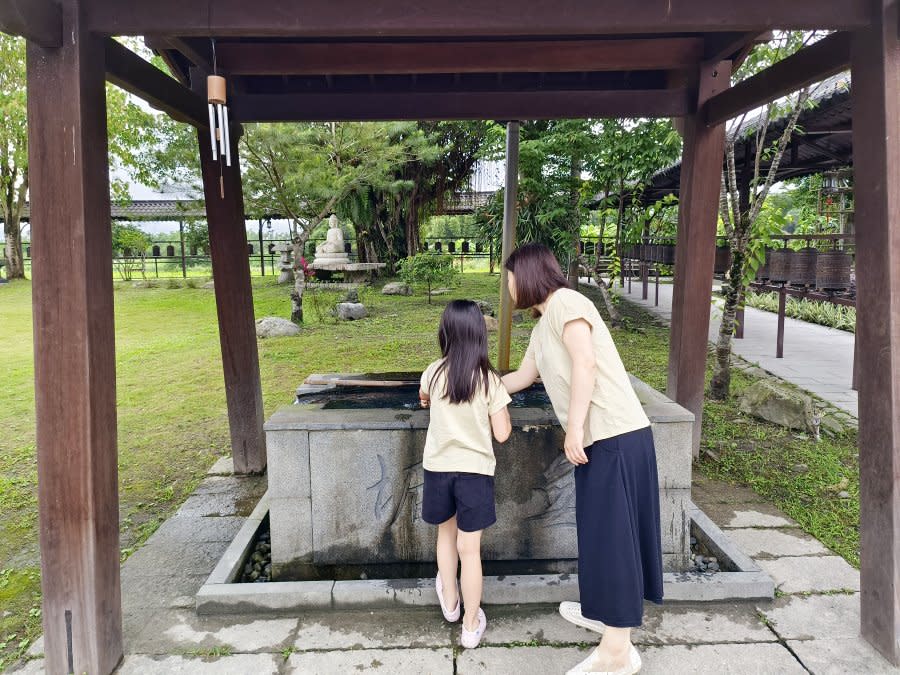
(522, 378)
(501, 425)
(576, 337)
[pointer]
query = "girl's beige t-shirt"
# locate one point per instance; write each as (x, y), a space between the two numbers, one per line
(614, 408)
(459, 434)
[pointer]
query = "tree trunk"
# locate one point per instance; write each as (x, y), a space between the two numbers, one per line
(615, 319)
(574, 260)
(619, 219)
(720, 385)
(15, 261)
(297, 296)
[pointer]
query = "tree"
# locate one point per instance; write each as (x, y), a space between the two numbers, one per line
(133, 133)
(744, 194)
(304, 171)
(131, 242)
(428, 269)
(443, 156)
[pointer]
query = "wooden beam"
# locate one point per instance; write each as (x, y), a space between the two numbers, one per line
(459, 105)
(457, 18)
(234, 306)
(510, 216)
(385, 58)
(129, 71)
(38, 21)
(74, 348)
(723, 46)
(876, 144)
(701, 170)
(825, 58)
(822, 150)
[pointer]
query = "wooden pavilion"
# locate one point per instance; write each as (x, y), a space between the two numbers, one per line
(395, 59)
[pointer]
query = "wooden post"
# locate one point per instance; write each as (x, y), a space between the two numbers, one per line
(876, 149)
(234, 305)
(779, 338)
(181, 237)
(509, 241)
(74, 347)
(701, 170)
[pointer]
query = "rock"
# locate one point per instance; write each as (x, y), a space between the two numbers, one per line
(777, 404)
(491, 323)
(518, 317)
(396, 288)
(352, 296)
(350, 311)
(209, 285)
(801, 468)
(274, 326)
(485, 307)
(843, 494)
(830, 423)
(440, 291)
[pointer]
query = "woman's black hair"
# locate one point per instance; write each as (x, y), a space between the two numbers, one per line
(464, 345)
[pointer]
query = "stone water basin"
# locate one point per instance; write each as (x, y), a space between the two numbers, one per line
(345, 479)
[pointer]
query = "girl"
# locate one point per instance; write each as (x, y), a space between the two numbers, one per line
(609, 441)
(467, 401)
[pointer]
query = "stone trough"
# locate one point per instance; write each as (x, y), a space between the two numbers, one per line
(344, 506)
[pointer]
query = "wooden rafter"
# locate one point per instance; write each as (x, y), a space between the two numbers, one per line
(129, 71)
(39, 21)
(363, 58)
(823, 59)
(460, 105)
(453, 18)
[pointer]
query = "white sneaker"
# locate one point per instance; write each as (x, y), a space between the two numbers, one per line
(584, 668)
(451, 616)
(471, 638)
(571, 612)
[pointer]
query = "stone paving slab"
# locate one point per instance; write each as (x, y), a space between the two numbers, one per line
(666, 624)
(775, 543)
(373, 629)
(182, 631)
(224, 466)
(237, 664)
(811, 574)
(392, 661)
(841, 656)
(739, 659)
(159, 591)
(200, 529)
(729, 516)
(174, 558)
(816, 616)
(705, 492)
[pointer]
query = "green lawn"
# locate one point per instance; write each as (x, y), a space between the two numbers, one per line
(173, 424)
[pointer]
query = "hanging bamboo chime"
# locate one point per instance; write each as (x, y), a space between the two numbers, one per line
(219, 137)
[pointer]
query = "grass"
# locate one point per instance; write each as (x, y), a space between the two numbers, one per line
(172, 418)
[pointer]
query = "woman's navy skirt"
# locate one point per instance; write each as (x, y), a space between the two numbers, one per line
(617, 514)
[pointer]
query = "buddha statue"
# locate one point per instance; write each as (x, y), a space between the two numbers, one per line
(332, 249)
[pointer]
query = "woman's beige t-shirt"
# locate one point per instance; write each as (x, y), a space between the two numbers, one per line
(459, 434)
(615, 408)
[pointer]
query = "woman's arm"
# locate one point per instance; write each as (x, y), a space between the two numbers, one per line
(522, 378)
(576, 336)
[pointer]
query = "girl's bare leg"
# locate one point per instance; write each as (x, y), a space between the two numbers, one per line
(469, 546)
(448, 560)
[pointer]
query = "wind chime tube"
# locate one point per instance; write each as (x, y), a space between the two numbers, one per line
(226, 133)
(212, 132)
(221, 133)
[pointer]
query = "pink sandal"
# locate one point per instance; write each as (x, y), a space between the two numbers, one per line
(439, 587)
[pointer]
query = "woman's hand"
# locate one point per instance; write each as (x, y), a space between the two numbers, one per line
(574, 446)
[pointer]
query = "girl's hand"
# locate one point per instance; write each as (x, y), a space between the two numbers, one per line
(574, 446)
(424, 399)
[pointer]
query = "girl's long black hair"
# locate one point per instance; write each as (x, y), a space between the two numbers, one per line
(463, 339)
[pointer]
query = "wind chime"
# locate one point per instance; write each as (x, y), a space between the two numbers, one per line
(219, 137)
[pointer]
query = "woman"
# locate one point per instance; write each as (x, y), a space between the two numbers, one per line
(609, 441)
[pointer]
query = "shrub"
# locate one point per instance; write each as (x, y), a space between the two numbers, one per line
(428, 269)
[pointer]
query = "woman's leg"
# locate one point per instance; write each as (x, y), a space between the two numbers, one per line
(614, 650)
(469, 546)
(448, 560)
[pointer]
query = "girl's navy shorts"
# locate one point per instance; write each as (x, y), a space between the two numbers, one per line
(468, 495)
